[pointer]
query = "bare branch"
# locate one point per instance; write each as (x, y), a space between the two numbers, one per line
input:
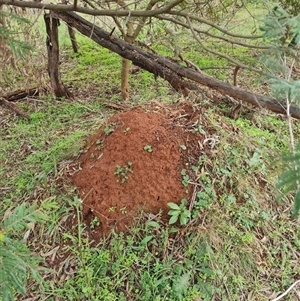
(207, 22)
(233, 42)
(93, 12)
(143, 20)
(227, 57)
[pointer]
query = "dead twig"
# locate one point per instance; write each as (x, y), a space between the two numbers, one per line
(287, 291)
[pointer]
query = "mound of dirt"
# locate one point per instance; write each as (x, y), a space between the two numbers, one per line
(134, 163)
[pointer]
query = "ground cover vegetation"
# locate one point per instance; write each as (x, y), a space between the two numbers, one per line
(230, 237)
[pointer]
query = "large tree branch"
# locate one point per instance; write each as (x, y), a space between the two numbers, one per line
(94, 12)
(172, 72)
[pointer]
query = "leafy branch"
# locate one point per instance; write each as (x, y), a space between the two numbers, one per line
(15, 256)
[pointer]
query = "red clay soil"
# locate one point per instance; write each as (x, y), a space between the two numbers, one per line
(155, 179)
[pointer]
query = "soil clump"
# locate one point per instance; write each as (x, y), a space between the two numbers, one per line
(134, 163)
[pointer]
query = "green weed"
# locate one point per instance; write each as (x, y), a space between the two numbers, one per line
(122, 172)
(179, 212)
(148, 148)
(110, 128)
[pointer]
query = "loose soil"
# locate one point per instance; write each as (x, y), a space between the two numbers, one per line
(155, 180)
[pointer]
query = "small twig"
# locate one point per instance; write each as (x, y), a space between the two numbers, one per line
(193, 198)
(115, 105)
(111, 33)
(189, 63)
(287, 291)
(127, 19)
(92, 31)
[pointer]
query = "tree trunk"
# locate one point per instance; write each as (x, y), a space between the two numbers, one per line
(170, 71)
(126, 63)
(52, 24)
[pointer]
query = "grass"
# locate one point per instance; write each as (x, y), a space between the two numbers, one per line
(240, 243)
(33, 157)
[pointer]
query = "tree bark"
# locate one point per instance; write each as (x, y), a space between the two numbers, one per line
(126, 64)
(170, 71)
(73, 39)
(52, 24)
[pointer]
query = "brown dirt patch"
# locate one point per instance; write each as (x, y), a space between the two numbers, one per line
(155, 179)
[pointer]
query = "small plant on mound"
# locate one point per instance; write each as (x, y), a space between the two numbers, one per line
(122, 172)
(110, 128)
(185, 178)
(179, 212)
(148, 148)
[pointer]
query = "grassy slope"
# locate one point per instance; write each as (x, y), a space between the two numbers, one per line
(246, 245)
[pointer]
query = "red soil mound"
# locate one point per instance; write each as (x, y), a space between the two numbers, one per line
(148, 145)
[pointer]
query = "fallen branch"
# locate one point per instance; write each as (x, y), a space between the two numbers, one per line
(170, 71)
(115, 106)
(20, 94)
(15, 108)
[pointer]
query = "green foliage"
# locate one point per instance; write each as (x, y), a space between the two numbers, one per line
(9, 33)
(140, 266)
(122, 172)
(15, 257)
(60, 136)
(279, 27)
(185, 178)
(109, 128)
(148, 148)
(289, 179)
(179, 212)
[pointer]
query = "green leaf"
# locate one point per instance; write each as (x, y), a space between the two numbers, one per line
(146, 240)
(174, 212)
(173, 206)
(173, 230)
(182, 283)
(173, 219)
(153, 224)
(183, 172)
(187, 213)
(183, 219)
